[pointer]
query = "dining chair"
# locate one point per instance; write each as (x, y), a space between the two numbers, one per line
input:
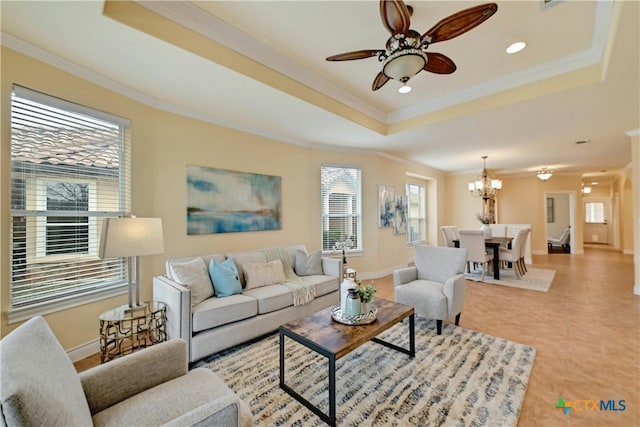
(473, 242)
(498, 230)
(523, 245)
(449, 234)
(515, 256)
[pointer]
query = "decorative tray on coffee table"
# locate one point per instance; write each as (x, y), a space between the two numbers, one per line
(363, 319)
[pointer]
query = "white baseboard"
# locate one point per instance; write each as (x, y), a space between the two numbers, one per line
(84, 350)
(377, 274)
(636, 290)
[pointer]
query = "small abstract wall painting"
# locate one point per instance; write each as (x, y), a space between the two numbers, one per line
(386, 200)
(400, 215)
(223, 201)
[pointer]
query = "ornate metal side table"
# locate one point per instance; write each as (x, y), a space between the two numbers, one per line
(124, 330)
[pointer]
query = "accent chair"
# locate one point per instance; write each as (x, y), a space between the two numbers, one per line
(562, 240)
(435, 285)
(39, 386)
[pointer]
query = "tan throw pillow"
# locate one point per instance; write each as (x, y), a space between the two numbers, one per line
(308, 264)
(195, 276)
(259, 274)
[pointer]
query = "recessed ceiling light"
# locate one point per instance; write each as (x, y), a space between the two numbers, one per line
(516, 47)
(405, 89)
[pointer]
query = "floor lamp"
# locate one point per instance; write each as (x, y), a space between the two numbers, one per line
(131, 238)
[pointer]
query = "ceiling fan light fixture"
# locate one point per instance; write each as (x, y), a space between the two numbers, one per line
(516, 47)
(544, 174)
(404, 64)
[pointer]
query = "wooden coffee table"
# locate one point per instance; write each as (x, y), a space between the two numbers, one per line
(320, 333)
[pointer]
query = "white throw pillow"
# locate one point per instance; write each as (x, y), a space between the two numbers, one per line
(194, 275)
(263, 274)
(308, 264)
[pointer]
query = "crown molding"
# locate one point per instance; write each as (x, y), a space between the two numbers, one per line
(192, 17)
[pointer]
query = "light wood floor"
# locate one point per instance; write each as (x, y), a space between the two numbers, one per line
(586, 331)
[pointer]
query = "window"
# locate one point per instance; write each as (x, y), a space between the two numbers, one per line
(341, 208)
(70, 168)
(416, 217)
(594, 213)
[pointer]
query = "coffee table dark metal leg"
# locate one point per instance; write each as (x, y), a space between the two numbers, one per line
(412, 340)
(332, 390)
(331, 418)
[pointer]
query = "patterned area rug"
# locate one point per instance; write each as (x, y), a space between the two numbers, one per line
(536, 279)
(460, 378)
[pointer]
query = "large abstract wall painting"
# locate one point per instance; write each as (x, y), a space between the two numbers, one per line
(222, 201)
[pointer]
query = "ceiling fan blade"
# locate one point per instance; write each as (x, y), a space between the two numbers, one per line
(460, 22)
(379, 81)
(395, 16)
(357, 54)
(439, 64)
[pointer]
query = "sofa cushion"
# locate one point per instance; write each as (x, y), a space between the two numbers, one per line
(194, 275)
(308, 264)
(425, 296)
(40, 386)
(323, 284)
(262, 274)
(271, 298)
(216, 311)
(224, 276)
(242, 258)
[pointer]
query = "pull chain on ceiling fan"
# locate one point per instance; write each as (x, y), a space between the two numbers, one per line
(406, 50)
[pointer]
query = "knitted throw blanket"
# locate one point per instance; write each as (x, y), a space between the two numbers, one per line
(303, 292)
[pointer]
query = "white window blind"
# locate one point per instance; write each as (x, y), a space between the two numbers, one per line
(416, 217)
(341, 207)
(70, 168)
(594, 213)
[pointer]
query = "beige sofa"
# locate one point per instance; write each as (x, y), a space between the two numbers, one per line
(217, 323)
(39, 386)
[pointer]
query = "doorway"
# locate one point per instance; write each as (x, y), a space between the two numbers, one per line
(560, 214)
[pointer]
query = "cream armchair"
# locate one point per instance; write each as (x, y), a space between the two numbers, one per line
(562, 240)
(435, 285)
(39, 386)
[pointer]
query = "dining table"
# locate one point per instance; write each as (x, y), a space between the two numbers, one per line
(495, 243)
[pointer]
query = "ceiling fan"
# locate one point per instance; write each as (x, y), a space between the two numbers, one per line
(406, 50)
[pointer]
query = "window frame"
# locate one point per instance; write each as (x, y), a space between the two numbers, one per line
(76, 278)
(421, 217)
(326, 216)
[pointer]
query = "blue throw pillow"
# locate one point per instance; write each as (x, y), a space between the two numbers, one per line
(224, 276)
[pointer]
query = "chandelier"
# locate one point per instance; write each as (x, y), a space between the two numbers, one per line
(485, 186)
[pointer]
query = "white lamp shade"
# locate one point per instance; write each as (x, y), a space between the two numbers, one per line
(126, 237)
(496, 183)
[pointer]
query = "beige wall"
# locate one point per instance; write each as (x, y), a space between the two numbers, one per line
(163, 144)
